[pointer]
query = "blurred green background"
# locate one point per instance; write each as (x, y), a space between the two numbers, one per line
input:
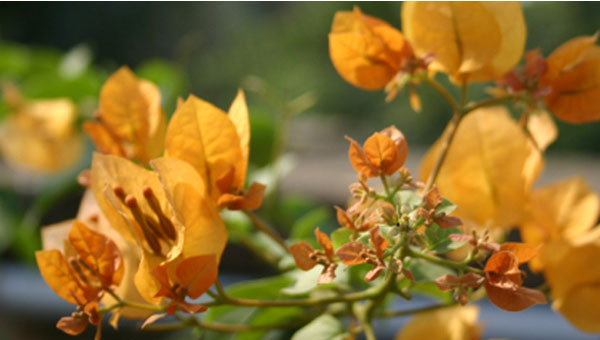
(210, 48)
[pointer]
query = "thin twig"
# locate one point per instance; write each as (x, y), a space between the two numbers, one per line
(406, 312)
(265, 228)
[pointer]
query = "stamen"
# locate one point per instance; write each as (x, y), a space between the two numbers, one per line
(74, 263)
(167, 226)
(132, 203)
(119, 192)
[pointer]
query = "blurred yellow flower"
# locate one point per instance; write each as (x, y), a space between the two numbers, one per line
(452, 323)
(565, 210)
(572, 271)
(489, 169)
(574, 76)
(472, 41)
(40, 134)
(131, 122)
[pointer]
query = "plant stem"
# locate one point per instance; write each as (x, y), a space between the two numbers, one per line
(406, 312)
(265, 228)
(444, 262)
(386, 187)
(450, 133)
(442, 91)
(488, 102)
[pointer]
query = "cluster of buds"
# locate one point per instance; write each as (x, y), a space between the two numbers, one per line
(432, 202)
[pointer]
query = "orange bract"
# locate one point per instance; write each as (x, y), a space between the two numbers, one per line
(574, 76)
(452, 323)
(99, 253)
(216, 144)
(572, 272)
(472, 41)
(80, 278)
(503, 278)
(40, 135)
(366, 52)
(489, 170)
(566, 210)
(131, 122)
(301, 252)
(383, 153)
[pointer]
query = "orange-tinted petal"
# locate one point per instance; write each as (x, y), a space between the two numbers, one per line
(350, 253)
(380, 150)
(514, 300)
(301, 252)
(325, 243)
(99, 252)
(366, 52)
(359, 160)
(197, 274)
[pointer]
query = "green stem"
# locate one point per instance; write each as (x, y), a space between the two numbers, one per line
(450, 133)
(488, 102)
(406, 312)
(444, 262)
(442, 91)
(386, 187)
(265, 228)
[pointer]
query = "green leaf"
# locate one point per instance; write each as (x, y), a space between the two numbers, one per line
(446, 207)
(431, 289)
(304, 228)
(305, 281)
(340, 237)
(325, 327)
(438, 239)
(408, 198)
(424, 271)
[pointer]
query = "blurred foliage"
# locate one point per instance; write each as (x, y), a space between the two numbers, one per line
(216, 45)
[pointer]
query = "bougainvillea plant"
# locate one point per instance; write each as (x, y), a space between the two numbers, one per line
(150, 233)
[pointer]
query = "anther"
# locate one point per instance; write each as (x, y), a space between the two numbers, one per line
(78, 270)
(119, 192)
(165, 223)
(152, 240)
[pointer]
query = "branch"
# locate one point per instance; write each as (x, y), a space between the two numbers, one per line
(405, 312)
(451, 132)
(265, 228)
(444, 262)
(442, 91)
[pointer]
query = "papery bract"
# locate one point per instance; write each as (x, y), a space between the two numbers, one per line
(366, 52)
(572, 272)
(574, 77)
(216, 144)
(567, 210)
(131, 122)
(452, 323)
(489, 170)
(471, 41)
(40, 135)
